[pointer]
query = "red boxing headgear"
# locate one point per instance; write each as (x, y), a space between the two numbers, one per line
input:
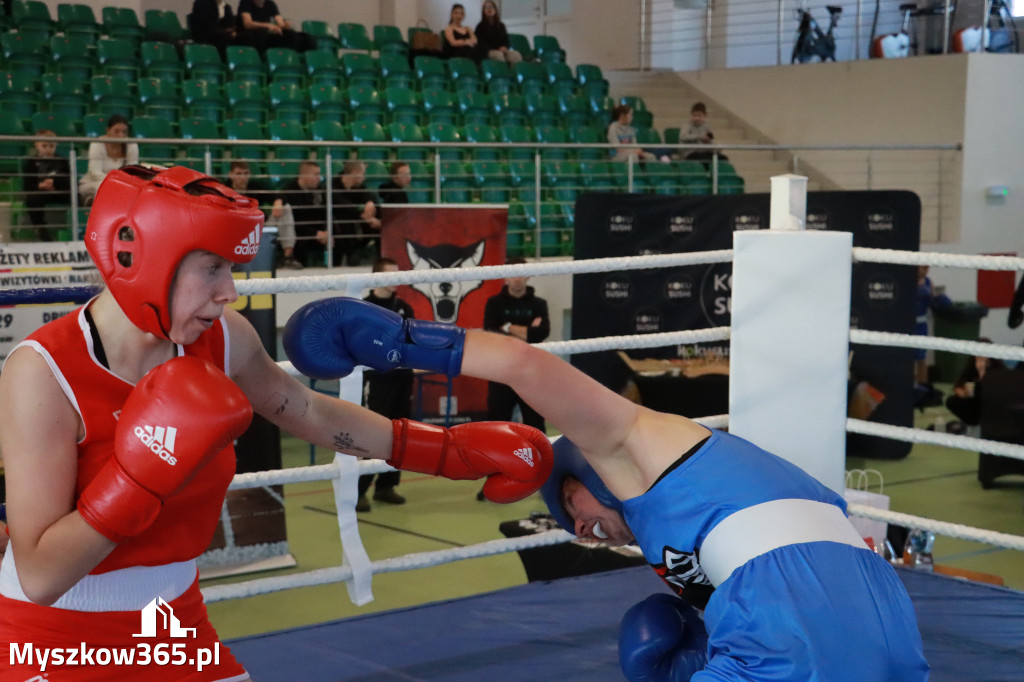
(144, 221)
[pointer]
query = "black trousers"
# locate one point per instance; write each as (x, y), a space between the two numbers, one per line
(502, 401)
(390, 395)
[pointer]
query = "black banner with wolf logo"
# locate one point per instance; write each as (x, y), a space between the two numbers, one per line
(427, 237)
(698, 297)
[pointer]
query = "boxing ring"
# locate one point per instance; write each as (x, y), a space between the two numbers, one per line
(567, 629)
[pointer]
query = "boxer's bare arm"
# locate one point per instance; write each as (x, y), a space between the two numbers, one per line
(628, 445)
(39, 430)
(323, 420)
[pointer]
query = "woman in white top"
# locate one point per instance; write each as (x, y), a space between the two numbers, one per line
(107, 155)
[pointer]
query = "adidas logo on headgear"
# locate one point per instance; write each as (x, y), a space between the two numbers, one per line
(525, 454)
(250, 245)
(160, 440)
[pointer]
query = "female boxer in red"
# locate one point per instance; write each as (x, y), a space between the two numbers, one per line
(117, 423)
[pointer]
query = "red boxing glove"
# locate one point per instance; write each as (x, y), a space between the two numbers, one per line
(515, 458)
(179, 417)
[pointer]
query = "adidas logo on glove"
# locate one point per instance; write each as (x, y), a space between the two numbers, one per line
(160, 440)
(525, 454)
(250, 245)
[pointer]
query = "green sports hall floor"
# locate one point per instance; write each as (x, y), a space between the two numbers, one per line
(932, 481)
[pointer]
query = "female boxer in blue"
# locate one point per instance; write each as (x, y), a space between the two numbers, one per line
(788, 589)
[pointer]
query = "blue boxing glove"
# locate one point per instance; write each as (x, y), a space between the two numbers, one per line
(662, 639)
(326, 339)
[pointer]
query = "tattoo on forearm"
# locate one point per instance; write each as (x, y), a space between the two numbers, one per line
(343, 442)
(279, 404)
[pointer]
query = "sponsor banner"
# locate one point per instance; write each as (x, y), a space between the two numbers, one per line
(34, 265)
(699, 296)
(423, 237)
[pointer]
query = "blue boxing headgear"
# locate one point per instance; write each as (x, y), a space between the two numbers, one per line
(569, 461)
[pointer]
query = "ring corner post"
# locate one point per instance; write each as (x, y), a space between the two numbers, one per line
(790, 337)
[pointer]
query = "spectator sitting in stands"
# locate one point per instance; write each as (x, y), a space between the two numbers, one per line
(262, 26)
(459, 40)
(965, 403)
(393, 191)
(308, 201)
(214, 22)
(621, 132)
(280, 216)
(355, 214)
(106, 155)
(492, 36)
(47, 182)
(699, 133)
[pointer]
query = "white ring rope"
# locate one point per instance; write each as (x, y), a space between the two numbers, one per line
(424, 559)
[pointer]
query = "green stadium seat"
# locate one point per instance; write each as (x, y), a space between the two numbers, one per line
(72, 57)
(94, 125)
(161, 60)
(118, 57)
(509, 109)
(32, 15)
(122, 23)
(552, 136)
(78, 20)
(25, 52)
(288, 101)
(589, 135)
(198, 128)
(475, 108)
(404, 105)
(548, 49)
(323, 68)
(203, 99)
(164, 26)
(491, 181)
(365, 104)
(693, 177)
(360, 69)
(519, 135)
(328, 102)
(246, 99)
(531, 76)
(111, 95)
(354, 37)
(11, 152)
(396, 72)
(284, 164)
(245, 64)
(574, 110)
(64, 95)
(153, 127)
(431, 73)
(729, 181)
(285, 66)
(388, 38)
(561, 80)
(439, 106)
(601, 107)
(521, 44)
(367, 131)
(642, 116)
(498, 77)
(255, 153)
(465, 74)
(203, 62)
(324, 130)
(456, 183)
(410, 132)
(482, 135)
(596, 175)
(672, 135)
(325, 37)
(591, 79)
(446, 132)
(543, 109)
(63, 125)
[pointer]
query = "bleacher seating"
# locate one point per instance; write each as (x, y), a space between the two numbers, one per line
(73, 73)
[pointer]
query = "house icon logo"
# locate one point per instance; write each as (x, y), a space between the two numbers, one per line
(159, 612)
